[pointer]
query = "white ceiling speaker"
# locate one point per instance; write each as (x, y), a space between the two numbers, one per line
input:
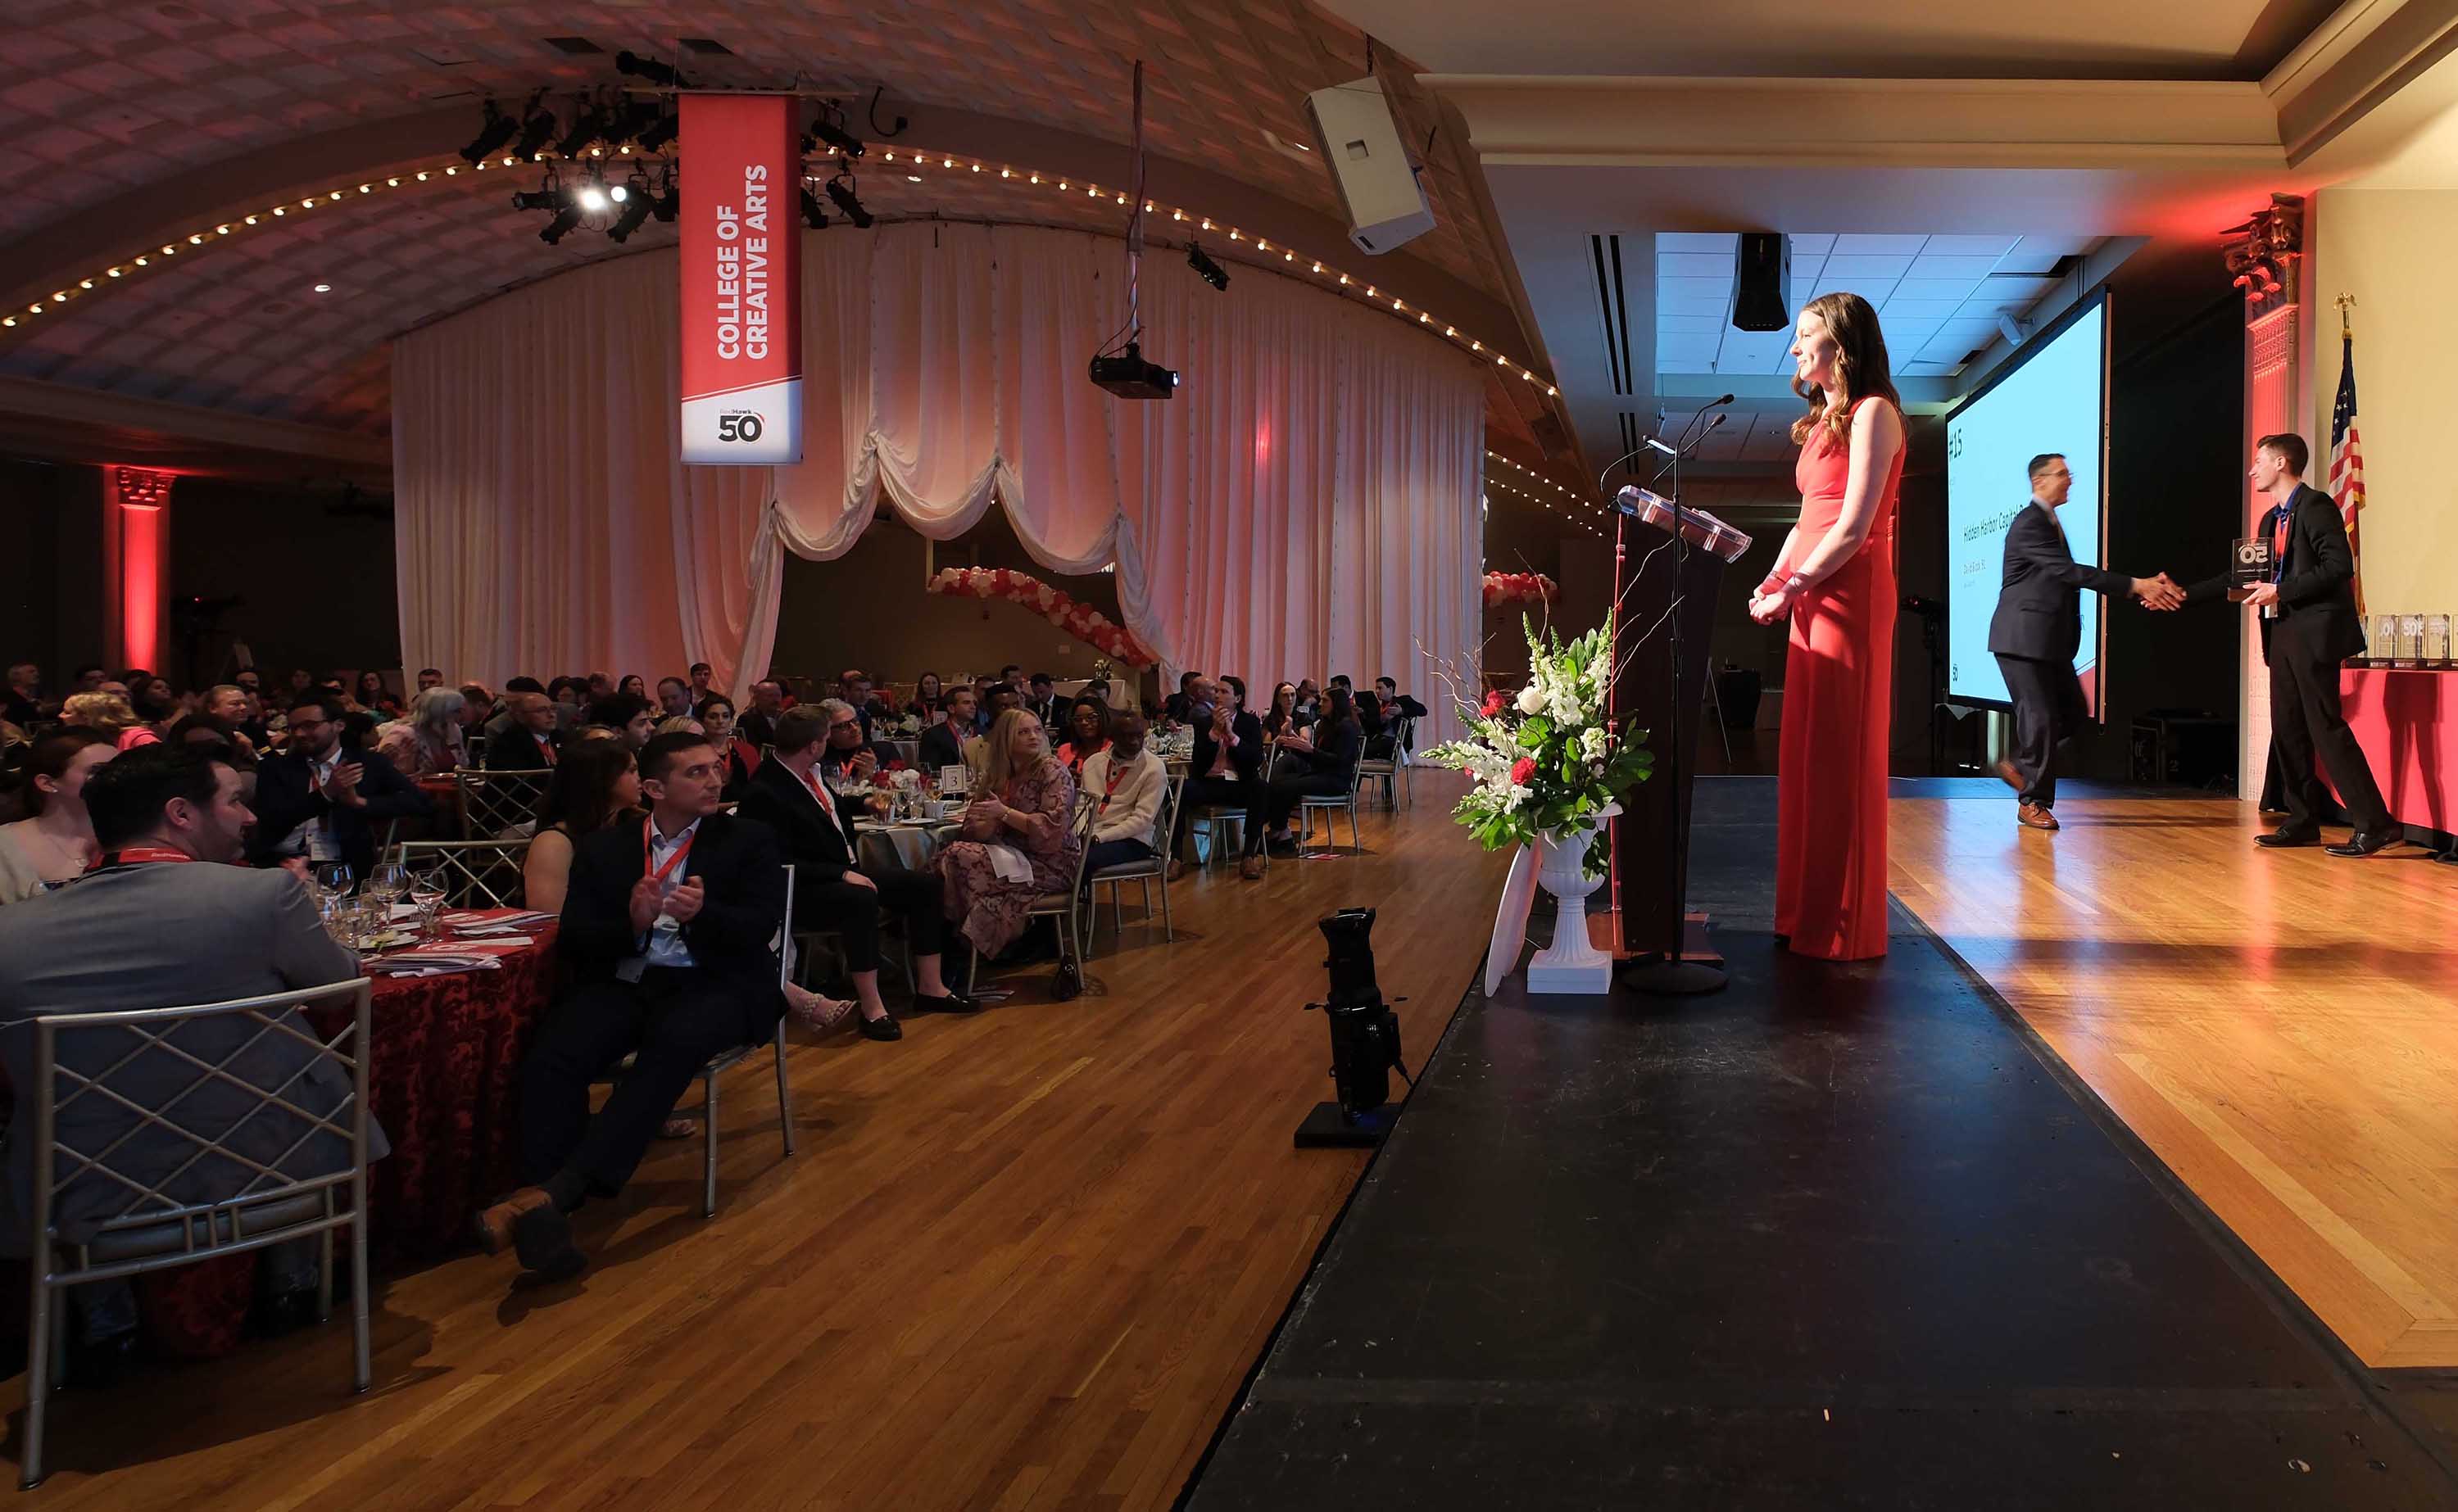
(2017, 332)
(1361, 145)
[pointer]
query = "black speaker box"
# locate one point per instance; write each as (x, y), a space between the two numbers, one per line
(1761, 283)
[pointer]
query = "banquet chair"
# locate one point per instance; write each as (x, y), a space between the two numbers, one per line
(1394, 768)
(1144, 872)
(724, 1061)
(1330, 805)
(496, 800)
(475, 873)
(90, 1068)
(1066, 907)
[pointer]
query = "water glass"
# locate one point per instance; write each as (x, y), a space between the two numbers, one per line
(426, 894)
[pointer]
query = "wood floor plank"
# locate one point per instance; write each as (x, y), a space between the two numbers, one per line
(2276, 1027)
(1023, 1259)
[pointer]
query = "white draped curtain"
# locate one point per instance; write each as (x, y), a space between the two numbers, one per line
(1306, 504)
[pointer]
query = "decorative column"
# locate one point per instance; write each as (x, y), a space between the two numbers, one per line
(137, 548)
(2266, 256)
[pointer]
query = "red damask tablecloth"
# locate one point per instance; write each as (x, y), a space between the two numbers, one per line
(444, 1085)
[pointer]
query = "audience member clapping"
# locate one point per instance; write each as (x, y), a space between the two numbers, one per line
(321, 801)
(1325, 767)
(428, 742)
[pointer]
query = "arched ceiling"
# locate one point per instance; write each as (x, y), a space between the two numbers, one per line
(119, 111)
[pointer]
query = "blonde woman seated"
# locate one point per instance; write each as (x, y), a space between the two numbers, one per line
(1019, 836)
(111, 713)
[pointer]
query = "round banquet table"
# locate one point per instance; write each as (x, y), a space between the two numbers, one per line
(909, 847)
(443, 1083)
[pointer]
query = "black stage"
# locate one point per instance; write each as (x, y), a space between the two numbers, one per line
(1834, 1237)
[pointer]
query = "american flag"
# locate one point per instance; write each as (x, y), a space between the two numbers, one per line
(2347, 462)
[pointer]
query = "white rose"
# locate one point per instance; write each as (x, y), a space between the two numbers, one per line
(1531, 698)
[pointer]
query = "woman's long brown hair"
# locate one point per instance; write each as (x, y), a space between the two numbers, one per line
(1860, 361)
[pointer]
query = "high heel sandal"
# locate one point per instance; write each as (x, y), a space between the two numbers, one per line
(818, 1014)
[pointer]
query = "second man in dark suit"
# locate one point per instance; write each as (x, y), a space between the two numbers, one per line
(322, 801)
(2036, 632)
(2311, 602)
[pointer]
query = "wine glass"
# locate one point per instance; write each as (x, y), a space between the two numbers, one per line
(333, 878)
(389, 880)
(427, 895)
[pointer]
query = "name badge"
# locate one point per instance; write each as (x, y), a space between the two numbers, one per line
(630, 967)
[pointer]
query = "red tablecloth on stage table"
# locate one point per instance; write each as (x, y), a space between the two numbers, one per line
(444, 1085)
(2407, 723)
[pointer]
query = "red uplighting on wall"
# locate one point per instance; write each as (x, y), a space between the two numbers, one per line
(141, 494)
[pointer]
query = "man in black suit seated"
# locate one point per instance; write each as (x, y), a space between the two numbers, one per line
(847, 752)
(531, 744)
(2310, 603)
(665, 941)
(943, 744)
(1041, 701)
(832, 889)
(1178, 707)
(1227, 769)
(2036, 632)
(322, 801)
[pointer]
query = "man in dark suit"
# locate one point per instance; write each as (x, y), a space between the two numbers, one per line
(1043, 702)
(832, 889)
(943, 744)
(322, 801)
(2311, 603)
(529, 744)
(2036, 632)
(666, 941)
(1227, 769)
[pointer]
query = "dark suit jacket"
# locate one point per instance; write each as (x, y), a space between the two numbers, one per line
(1246, 760)
(942, 745)
(286, 798)
(821, 851)
(1049, 710)
(515, 749)
(1337, 748)
(739, 862)
(2317, 577)
(2039, 604)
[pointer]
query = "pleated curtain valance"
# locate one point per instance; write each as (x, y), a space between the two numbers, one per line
(1308, 504)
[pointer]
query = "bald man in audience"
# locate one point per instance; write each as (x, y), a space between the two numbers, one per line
(530, 742)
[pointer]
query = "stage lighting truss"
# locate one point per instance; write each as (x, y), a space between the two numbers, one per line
(618, 208)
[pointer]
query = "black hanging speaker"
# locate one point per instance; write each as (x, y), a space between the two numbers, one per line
(1762, 281)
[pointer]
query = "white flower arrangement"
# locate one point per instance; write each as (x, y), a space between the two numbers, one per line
(1544, 762)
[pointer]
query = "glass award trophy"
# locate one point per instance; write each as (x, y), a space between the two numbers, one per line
(2411, 641)
(2436, 640)
(2381, 646)
(2251, 562)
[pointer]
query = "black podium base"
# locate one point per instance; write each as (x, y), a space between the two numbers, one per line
(1326, 1128)
(1661, 976)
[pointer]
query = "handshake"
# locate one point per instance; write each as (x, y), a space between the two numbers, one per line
(2157, 593)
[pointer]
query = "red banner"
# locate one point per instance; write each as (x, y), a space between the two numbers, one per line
(742, 319)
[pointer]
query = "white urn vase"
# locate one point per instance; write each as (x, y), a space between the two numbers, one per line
(1572, 963)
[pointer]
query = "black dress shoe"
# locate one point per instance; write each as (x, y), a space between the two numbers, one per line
(2365, 842)
(950, 1003)
(2281, 839)
(882, 1028)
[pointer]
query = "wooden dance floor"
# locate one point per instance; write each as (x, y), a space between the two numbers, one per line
(2281, 1029)
(1023, 1260)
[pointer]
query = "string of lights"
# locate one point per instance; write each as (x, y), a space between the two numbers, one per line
(1572, 505)
(914, 165)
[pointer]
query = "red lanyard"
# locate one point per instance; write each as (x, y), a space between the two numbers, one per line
(819, 791)
(649, 827)
(546, 749)
(132, 855)
(2278, 540)
(1109, 783)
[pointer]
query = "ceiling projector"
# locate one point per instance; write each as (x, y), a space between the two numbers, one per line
(1129, 376)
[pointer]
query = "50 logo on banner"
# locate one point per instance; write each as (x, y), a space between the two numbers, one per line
(742, 321)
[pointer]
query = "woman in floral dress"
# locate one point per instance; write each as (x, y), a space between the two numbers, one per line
(1024, 802)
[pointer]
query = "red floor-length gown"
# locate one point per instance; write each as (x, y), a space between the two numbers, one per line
(1830, 869)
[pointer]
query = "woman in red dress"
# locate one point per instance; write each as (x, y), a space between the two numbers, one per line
(1836, 578)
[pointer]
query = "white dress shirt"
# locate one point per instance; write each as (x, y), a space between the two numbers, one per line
(666, 947)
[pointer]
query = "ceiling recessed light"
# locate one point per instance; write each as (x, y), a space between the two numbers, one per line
(323, 288)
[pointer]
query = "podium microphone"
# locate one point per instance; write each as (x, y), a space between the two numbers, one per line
(1654, 444)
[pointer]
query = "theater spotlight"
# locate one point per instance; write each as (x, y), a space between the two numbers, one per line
(547, 195)
(563, 220)
(825, 130)
(655, 137)
(1205, 268)
(630, 62)
(589, 124)
(593, 198)
(670, 199)
(841, 190)
(628, 120)
(497, 130)
(1364, 1041)
(536, 128)
(639, 202)
(813, 216)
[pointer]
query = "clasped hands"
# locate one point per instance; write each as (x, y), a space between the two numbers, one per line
(1767, 606)
(650, 899)
(2160, 592)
